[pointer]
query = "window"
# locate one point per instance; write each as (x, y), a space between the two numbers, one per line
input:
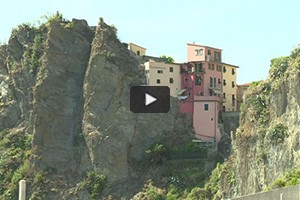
(171, 69)
(211, 67)
(224, 95)
(158, 81)
(206, 107)
(232, 84)
(190, 69)
(147, 71)
(215, 81)
(189, 93)
(211, 92)
(186, 79)
(171, 80)
(138, 53)
(224, 108)
(198, 80)
(208, 52)
(224, 82)
(199, 67)
(211, 82)
(233, 100)
(224, 69)
(219, 81)
(219, 68)
(232, 71)
(159, 71)
(201, 93)
(199, 52)
(219, 56)
(216, 56)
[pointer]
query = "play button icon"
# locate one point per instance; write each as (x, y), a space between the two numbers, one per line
(150, 99)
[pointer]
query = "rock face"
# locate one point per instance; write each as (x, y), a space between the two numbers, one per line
(266, 144)
(75, 102)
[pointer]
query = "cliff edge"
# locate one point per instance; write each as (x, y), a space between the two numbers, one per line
(64, 112)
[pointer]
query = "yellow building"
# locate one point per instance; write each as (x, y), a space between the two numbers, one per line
(163, 74)
(229, 87)
(138, 50)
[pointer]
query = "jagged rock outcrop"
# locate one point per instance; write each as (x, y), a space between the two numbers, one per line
(68, 85)
(266, 145)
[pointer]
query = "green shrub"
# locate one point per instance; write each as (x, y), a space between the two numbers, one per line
(94, 184)
(279, 66)
(57, 17)
(259, 105)
(39, 178)
(278, 133)
(295, 53)
(290, 178)
(173, 193)
(190, 147)
(198, 193)
(156, 154)
(153, 192)
(14, 164)
(21, 172)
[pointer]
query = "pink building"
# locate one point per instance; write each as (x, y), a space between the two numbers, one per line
(201, 83)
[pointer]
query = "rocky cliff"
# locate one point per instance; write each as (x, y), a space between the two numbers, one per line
(266, 145)
(65, 91)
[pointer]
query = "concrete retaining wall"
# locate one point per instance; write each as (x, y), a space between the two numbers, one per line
(289, 193)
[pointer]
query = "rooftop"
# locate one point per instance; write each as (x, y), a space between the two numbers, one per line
(130, 43)
(230, 65)
(199, 45)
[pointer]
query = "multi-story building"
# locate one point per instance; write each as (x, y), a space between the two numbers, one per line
(204, 86)
(196, 52)
(201, 83)
(200, 100)
(164, 74)
(212, 61)
(138, 50)
(229, 87)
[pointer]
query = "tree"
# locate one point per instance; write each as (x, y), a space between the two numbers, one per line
(168, 59)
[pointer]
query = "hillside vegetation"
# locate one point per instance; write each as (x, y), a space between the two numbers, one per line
(265, 151)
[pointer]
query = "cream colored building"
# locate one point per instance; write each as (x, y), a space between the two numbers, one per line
(164, 74)
(229, 87)
(138, 50)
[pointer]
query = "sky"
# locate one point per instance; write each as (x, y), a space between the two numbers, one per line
(250, 33)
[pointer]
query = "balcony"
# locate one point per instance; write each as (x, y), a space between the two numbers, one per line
(216, 89)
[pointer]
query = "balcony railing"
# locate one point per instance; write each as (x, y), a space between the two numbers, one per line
(216, 89)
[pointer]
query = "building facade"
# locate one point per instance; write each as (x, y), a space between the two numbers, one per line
(201, 83)
(201, 98)
(163, 74)
(138, 50)
(204, 86)
(229, 87)
(196, 52)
